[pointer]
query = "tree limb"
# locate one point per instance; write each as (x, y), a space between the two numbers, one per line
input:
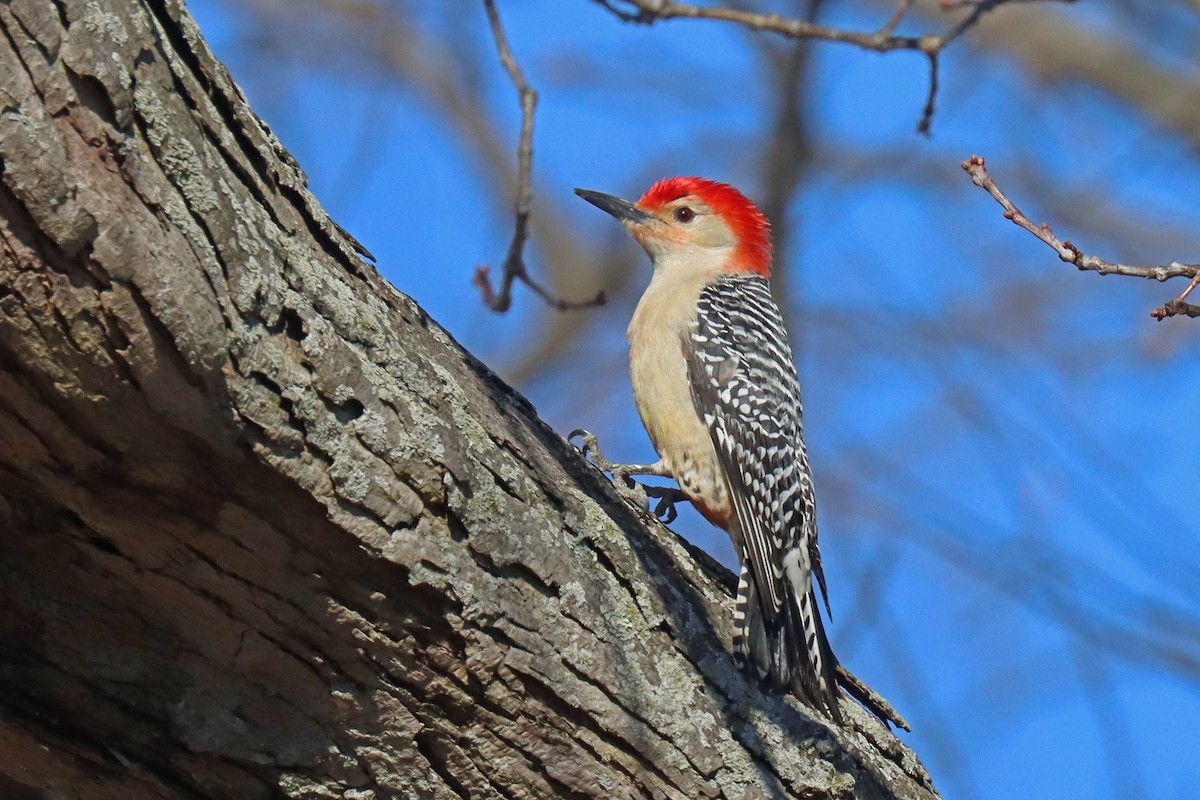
(883, 40)
(266, 530)
(1068, 252)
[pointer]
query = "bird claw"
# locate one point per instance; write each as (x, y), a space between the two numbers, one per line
(629, 489)
(667, 497)
(590, 449)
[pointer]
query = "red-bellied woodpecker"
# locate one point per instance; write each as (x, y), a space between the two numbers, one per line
(716, 388)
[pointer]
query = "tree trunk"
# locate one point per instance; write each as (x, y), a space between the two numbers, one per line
(266, 530)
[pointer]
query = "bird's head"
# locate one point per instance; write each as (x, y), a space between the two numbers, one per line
(694, 223)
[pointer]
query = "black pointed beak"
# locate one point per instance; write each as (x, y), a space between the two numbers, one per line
(623, 210)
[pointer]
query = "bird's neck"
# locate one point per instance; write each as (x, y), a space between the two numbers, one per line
(689, 263)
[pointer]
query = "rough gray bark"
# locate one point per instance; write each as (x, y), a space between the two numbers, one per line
(266, 530)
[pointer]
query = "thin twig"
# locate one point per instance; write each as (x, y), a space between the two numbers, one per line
(638, 16)
(893, 22)
(954, 5)
(1177, 306)
(514, 262)
(1068, 252)
(884, 40)
(978, 9)
(925, 125)
(650, 11)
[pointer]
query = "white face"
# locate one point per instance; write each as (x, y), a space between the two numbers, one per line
(686, 233)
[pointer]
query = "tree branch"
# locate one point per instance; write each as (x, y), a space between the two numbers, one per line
(266, 530)
(514, 262)
(883, 40)
(1068, 252)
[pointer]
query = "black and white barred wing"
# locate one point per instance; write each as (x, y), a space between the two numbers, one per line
(745, 389)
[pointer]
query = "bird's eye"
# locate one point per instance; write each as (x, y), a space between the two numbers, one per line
(684, 214)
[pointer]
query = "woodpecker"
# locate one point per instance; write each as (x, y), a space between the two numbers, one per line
(716, 388)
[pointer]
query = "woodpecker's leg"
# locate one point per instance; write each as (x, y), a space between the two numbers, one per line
(626, 486)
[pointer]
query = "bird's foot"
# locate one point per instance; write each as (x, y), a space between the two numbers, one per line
(622, 475)
(667, 497)
(590, 449)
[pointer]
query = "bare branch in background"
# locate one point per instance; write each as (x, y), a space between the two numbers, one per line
(1073, 255)
(786, 160)
(893, 22)
(884, 40)
(925, 125)
(954, 5)
(514, 262)
(1178, 306)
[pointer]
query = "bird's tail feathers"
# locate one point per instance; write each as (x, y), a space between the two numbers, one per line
(790, 652)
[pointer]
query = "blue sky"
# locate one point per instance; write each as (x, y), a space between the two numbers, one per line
(1002, 444)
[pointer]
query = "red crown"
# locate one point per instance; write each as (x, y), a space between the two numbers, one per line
(749, 225)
